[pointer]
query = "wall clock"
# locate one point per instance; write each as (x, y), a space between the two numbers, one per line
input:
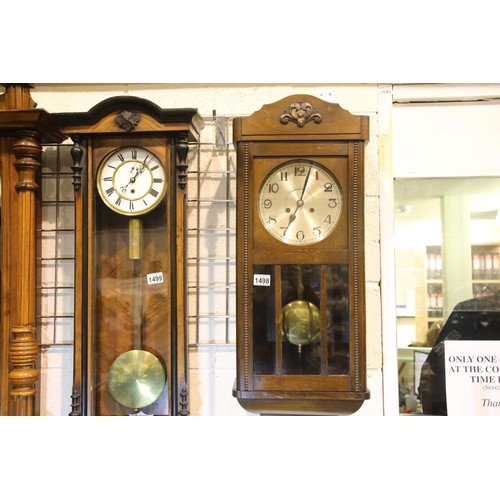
(130, 162)
(300, 258)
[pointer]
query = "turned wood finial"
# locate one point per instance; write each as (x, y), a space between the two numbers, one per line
(16, 96)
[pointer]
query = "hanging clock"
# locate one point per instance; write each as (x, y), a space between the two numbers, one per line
(300, 258)
(130, 277)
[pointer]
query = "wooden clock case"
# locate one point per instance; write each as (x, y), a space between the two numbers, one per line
(300, 127)
(105, 275)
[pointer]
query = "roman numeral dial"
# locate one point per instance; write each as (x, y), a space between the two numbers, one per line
(300, 202)
(131, 180)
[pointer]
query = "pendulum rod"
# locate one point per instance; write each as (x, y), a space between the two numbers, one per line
(135, 251)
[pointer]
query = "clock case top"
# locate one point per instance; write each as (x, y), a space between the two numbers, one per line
(113, 123)
(100, 119)
(300, 127)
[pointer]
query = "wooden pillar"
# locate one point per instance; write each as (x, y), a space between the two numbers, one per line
(22, 130)
(23, 351)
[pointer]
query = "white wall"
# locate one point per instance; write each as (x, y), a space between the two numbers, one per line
(212, 367)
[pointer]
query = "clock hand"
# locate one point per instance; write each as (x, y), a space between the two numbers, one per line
(123, 189)
(300, 201)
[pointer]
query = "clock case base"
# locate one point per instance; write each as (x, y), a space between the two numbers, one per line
(304, 403)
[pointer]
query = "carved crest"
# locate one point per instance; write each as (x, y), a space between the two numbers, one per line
(300, 113)
(127, 120)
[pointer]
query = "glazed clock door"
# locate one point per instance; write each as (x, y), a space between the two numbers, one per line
(132, 280)
(300, 271)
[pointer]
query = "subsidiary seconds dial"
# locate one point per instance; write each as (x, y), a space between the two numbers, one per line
(300, 202)
(131, 180)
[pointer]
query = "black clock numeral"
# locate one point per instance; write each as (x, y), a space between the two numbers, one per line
(157, 181)
(274, 188)
(110, 191)
(145, 202)
(284, 176)
(111, 166)
(153, 192)
(328, 219)
(107, 179)
(147, 160)
(267, 203)
(328, 187)
(271, 220)
(121, 157)
(155, 167)
(131, 205)
(332, 203)
(300, 235)
(300, 171)
(118, 201)
(317, 231)
(134, 154)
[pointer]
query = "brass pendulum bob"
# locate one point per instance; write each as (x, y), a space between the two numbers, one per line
(136, 377)
(300, 319)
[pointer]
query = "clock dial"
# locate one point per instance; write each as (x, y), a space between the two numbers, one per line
(300, 202)
(131, 180)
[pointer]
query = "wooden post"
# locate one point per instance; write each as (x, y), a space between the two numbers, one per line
(22, 129)
(23, 352)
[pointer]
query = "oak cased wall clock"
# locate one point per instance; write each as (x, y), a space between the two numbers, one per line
(300, 258)
(130, 162)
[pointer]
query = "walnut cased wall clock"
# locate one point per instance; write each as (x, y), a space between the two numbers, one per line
(130, 162)
(300, 258)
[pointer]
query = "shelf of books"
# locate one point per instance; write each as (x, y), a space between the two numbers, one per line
(485, 264)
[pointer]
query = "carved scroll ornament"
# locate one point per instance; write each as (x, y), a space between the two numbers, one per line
(127, 120)
(300, 113)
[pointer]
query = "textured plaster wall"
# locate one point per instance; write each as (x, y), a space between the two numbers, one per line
(212, 368)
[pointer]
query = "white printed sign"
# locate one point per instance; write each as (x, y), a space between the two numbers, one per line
(261, 280)
(472, 369)
(154, 278)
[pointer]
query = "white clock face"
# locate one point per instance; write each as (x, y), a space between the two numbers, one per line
(131, 181)
(300, 202)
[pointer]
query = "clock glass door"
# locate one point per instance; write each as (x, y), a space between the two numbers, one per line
(301, 319)
(133, 311)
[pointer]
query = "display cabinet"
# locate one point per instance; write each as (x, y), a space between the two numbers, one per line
(485, 276)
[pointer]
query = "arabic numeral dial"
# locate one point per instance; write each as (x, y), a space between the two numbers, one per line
(300, 202)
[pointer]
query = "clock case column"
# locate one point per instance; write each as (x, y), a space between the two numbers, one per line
(23, 130)
(299, 128)
(120, 122)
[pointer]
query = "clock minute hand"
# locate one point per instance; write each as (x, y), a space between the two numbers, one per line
(300, 201)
